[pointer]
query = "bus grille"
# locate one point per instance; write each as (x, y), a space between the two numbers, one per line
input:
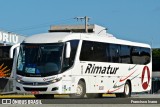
(35, 83)
(35, 89)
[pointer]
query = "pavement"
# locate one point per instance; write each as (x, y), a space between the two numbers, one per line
(32, 96)
(146, 96)
(66, 96)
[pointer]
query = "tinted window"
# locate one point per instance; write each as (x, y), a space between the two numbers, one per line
(99, 52)
(74, 45)
(113, 53)
(125, 54)
(140, 55)
(105, 52)
(68, 62)
(87, 51)
(145, 55)
(135, 52)
(94, 51)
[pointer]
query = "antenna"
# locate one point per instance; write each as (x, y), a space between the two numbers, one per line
(102, 30)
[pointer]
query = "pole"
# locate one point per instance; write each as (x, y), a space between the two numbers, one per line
(86, 24)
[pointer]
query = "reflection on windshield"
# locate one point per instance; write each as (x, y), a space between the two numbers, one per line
(39, 59)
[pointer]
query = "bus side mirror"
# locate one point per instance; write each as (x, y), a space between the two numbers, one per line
(16, 46)
(68, 49)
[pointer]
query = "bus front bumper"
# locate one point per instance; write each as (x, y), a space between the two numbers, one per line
(54, 88)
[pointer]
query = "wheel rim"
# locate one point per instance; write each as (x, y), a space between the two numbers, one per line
(79, 90)
(127, 89)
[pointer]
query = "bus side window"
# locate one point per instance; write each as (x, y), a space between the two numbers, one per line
(114, 53)
(125, 54)
(140, 55)
(135, 53)
(74, 46)
(86, 51)
(68, 62)
(145, 55)
(100, 52)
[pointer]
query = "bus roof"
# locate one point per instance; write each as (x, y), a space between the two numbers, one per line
(56, 37)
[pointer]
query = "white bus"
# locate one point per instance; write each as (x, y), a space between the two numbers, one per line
(82, 64)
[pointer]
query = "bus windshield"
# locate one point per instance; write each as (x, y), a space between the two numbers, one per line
(39, 60)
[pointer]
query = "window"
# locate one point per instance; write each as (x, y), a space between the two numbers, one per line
(135, 55)
(114, 53)
(86, 51)
(140, 55)
(36, 60)
(68, 62)
(99, 52)
(145, 55)
(93, 51)
(74, 46)
(125, 54)
(106, 52)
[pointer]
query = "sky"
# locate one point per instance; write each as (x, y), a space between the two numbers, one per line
(134, 20)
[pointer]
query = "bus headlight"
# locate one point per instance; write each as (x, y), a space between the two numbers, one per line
(19, 79)
(56, 80)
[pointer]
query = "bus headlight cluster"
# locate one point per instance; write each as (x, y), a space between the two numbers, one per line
(55, 80)
(19, 80)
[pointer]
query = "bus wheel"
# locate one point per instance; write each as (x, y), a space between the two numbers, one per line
(127, 91)
(44, 96)
(80, 91)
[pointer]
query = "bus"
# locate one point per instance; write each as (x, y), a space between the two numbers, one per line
(82, 64)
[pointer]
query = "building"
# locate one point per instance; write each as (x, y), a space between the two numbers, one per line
(7, 39)
(93, 28)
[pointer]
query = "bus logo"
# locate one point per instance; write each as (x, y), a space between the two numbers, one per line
(35, 83)
(145, 83)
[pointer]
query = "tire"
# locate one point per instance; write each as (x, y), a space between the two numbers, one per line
(94, 95)
(44, 96)
(80, 91)
(127, 91)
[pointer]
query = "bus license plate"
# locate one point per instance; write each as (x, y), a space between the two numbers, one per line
(34, 92)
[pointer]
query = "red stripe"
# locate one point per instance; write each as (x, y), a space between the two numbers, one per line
(127, 77)
(113, 90)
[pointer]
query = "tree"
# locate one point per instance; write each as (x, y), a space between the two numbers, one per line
(156, 52)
